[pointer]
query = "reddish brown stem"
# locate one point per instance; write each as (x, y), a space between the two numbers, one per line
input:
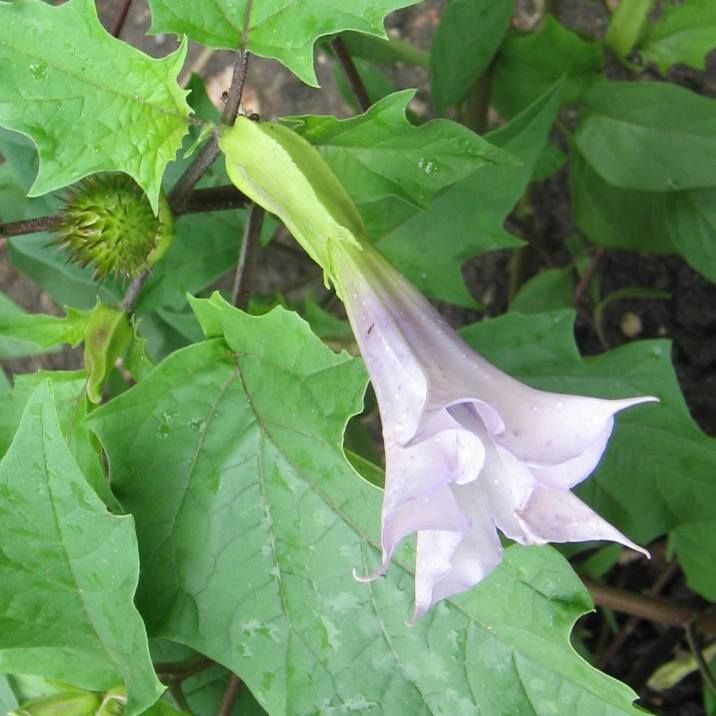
(230, 696)
(120, 15)
(360, 92)
(651, 608)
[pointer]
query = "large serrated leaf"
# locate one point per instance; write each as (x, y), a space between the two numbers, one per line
(89, 102)
(248, 554)
(380, 154)
(283, 29)
(658, 472)
(467, 218)
(68, 569)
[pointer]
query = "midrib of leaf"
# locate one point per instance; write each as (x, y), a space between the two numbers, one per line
(91, 83)
(58, 526)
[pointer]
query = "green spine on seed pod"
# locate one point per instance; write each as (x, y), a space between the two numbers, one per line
(108, 223)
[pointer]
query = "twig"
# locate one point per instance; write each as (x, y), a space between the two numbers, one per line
(244, 271)
(208, 153)
(230, 695)
(135, 288)
(693, 639)
(30, 226)
(120, 15)
(182, 669)
(177, 694)
(351, 72)
(476, 106)
(218, 198)
(651, 608)
(662, 580)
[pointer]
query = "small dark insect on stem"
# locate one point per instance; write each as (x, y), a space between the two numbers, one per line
(208, 153)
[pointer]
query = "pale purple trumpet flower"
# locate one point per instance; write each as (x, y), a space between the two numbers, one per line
(468, 449)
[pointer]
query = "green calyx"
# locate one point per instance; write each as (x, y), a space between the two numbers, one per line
(108, 223)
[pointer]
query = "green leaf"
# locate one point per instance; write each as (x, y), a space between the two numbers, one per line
(23, 334)
(282, 29)
(650, 136)
(7, 697)
(108, 335)
(464, 43)
(528, 65)
(627, 24)
(689, 219)
(74, 565)
(669, 462)
(384, 51)
(248, 555)
(618, 218)
(549, 290)
(684, 33)
(681, 222)
(379, 153)
(66, 282)
(694, 543)
(89, 101)
(430, 247)
(68, 388)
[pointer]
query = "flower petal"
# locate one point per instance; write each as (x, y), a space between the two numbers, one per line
(451, 562)
(559, 516)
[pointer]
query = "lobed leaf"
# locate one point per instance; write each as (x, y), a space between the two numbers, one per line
(379, 153)
(248, 554)
(68, 569)
(88, 101)
(283, 29)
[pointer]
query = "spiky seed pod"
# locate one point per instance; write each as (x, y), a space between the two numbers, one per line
(107, 222)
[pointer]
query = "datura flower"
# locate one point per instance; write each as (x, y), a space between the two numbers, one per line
(468, 448)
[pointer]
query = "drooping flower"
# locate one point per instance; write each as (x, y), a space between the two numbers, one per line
(468, 448)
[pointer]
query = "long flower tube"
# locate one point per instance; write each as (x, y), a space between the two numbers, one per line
(468, 449)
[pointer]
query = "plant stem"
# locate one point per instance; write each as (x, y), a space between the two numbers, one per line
(135, 288)
(208, 153)
(651, 608)
(477, 103)
(693, 639)
(182, 669)
(230, 695)
(120, 15)
(218, 198)
(587, 276)
(245, 270)
(355, 81)
(30, 226)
